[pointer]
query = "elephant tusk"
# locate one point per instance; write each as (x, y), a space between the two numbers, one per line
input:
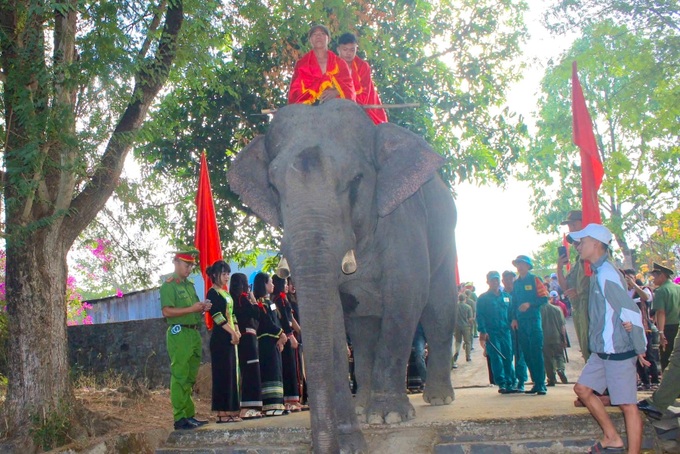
(349, 262)
(283, 271)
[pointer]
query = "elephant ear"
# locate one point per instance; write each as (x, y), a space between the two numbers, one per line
(404, 162)
(248, 177)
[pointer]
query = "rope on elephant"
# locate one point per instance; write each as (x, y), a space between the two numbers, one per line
(364, 106)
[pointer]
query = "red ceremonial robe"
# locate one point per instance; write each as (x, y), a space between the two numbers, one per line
(366, 92)
(309, 82)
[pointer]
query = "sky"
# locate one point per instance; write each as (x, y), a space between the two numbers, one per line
(494, 224)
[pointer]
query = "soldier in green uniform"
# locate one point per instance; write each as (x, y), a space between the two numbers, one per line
(576, 285)
(508, 279)
(182, 310)
(554, 342)
(462, 332)
(493, 322)
(528, 295)
(666, 307)
(670, 383)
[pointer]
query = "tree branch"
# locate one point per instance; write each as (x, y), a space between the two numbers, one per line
(149, 80)
(60, 177)
(155, 22)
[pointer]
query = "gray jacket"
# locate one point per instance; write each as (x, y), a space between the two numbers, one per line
(608, 307)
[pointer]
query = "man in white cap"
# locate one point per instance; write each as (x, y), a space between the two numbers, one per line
(616, 339)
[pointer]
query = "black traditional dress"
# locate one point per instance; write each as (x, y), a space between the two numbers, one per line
(225, 390)
(248, 318)
(289, 366)
(302, 381)
(268, 334)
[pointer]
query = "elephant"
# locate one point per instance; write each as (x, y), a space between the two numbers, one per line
(368, 233)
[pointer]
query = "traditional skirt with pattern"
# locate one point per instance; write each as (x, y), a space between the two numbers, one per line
(289, 366)
(251, 387)
(270, 371)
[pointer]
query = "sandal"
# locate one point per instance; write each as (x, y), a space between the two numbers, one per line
(597, 448)
(276, 412)
(251, 413)
(293, 408)
(228, 418)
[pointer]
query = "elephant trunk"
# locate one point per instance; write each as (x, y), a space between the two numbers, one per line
(315, 268)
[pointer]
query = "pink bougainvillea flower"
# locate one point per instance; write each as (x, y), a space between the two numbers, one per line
(119, 293)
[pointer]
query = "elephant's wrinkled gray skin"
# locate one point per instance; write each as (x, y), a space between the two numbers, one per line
(336, 183)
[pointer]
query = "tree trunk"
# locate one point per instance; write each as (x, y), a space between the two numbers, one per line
(38, 376)
(47, 203)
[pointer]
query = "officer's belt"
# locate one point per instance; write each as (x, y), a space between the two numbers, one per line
(617, 356)
(185, 326)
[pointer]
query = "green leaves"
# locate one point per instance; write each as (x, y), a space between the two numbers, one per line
(454, 58)
(626, 96)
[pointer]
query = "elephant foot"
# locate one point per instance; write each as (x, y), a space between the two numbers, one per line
(352, 442)
(360, 404)
(438, 395)
(389, 409)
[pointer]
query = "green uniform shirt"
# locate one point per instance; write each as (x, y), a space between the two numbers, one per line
(179, 293)
(528, 289)
(577, 280)
(464, 315)
(667, 298)
(493, 312)
(553, 321)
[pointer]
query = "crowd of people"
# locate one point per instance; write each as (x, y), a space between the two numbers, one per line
(623, 327)
(255, 344)
(521, 328)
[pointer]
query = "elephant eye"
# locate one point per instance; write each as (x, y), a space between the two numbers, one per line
(354, 189)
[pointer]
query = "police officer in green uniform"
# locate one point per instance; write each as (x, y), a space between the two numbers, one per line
(576, 285)
(182, 310)
(528, 295)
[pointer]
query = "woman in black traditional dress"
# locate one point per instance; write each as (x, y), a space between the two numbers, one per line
(295, 309)
(291, 389)
(223, 341)
(271, 339)
(247, 315)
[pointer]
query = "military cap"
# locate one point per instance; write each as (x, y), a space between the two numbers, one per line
(525, 259)
(493, 275)
(573, 215)
(657, 268)
(186, 256)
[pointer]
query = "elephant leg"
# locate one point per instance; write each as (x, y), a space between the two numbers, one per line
(364, 333)
(438, 325)
(388, 402)
(351, 439)
(438, 319)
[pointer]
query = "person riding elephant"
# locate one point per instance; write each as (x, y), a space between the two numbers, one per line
(368, 234)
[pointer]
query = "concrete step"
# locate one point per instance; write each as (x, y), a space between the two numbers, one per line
(554, 434)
